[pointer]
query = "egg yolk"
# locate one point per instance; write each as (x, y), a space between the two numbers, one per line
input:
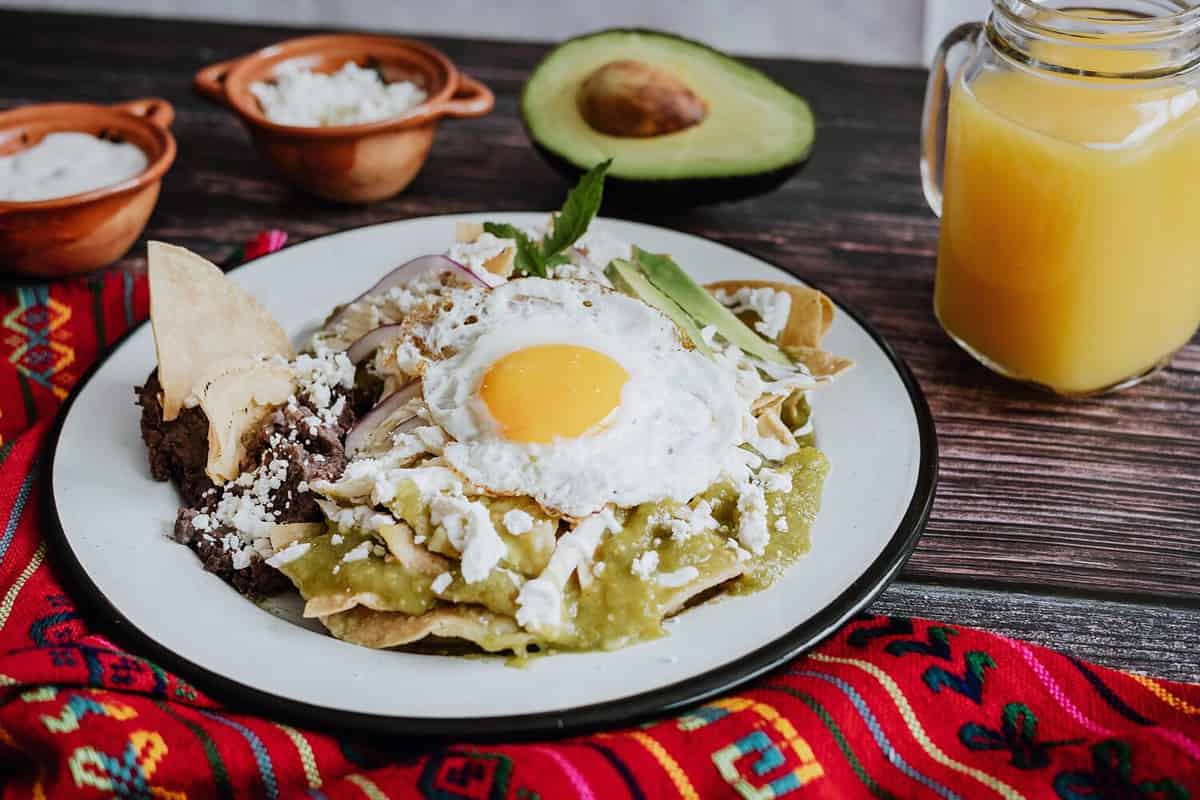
(552, 391)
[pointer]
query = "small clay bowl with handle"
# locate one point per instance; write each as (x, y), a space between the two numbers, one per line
(358, 163)
(83, 232)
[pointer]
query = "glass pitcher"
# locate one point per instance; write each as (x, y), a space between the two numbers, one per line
(1062, 152)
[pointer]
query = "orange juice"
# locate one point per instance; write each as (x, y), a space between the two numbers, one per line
(1070, 244)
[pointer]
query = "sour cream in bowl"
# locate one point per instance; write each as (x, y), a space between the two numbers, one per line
(78, 182)
(67, 163)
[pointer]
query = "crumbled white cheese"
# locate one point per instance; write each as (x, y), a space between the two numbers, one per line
(517, 522)
(407, 357)
(289, 554)
(203, 522)
(250, 512)
(781, 524)
(598, 249)
(351, 96)
(378, 309)
(775, 480)
(241, 558)
(408, 445)
(680, 577)
(685, 522)
(336, 539)
(741, 553)
(752, 526)
(469, 528)
(644, 565)
(539, 604)
(441, 582)
(374, 480)
(357, 553)
(317, 376)
(772, 306)
(357, 518)
(476, 255)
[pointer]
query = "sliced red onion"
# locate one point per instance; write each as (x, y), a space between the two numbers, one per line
(366, 426)
(369, 342)
(406, 272)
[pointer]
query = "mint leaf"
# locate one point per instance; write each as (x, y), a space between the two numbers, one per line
(529, 259)
(578, 209)
(557, 260)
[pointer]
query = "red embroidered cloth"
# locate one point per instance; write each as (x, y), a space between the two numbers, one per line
(889, 707)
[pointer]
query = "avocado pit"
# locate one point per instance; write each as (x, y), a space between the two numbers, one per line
(632, 99)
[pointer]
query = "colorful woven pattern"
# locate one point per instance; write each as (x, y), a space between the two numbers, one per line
(889, 708)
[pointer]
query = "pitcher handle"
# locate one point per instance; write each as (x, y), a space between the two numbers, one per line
(933, 119)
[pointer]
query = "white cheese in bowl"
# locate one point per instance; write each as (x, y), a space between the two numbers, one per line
(351, 96)
(67, 163)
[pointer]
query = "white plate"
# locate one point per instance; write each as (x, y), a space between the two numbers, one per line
(873, 424)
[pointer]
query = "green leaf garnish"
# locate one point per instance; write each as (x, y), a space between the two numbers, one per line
(528, 260)
(580, 207)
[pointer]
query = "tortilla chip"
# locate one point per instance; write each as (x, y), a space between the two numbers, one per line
(200, 318)
(327, 604)
(770, 426)
(502, 263)
(491, 632)
(810, 316)
(284, 534)
(706, 580)
(399, 540)
(467, 232)
(236, 399)
(820, 363)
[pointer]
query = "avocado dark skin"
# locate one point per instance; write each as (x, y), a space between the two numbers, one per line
(665, 194)
(678, 193)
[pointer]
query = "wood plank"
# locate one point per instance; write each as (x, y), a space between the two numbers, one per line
(1154, 640)
(1096, 496)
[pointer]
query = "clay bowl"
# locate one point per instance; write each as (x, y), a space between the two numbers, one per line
(83, 232)
(349, 163)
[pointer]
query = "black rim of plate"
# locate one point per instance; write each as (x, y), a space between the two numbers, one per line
(581, 719)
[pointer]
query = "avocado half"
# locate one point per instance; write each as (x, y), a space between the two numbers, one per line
(684, 124)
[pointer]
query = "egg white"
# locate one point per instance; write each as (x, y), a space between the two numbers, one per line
(672, 435)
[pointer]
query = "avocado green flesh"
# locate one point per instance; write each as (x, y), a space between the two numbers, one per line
(753, 124)
(618, 607)
(693, 298)
(628, 279)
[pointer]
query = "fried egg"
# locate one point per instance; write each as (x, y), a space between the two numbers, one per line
(575, 395)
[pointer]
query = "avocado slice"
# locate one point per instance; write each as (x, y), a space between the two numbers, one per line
(626, 277)
(693, 298)
(684, 124)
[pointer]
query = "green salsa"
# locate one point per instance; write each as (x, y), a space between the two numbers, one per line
(609, 606)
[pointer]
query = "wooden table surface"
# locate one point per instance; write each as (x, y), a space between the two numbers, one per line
(1073, 524)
